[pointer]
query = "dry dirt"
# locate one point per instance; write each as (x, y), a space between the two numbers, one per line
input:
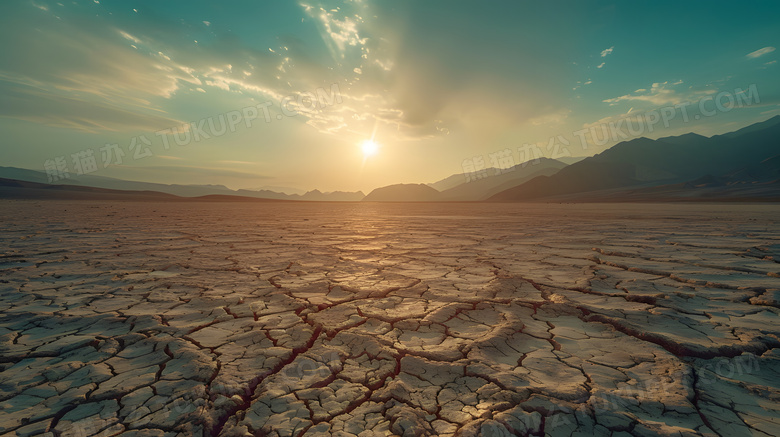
(364, 319)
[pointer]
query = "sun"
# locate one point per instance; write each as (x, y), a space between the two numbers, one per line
(370, 148)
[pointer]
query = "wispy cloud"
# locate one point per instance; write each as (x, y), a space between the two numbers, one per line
(101, 80)
(601, 65)
(553, 119)
(606, 52)
(340, 30)
(41, 7)
(662, 93)
(760, 52)
(24, 103)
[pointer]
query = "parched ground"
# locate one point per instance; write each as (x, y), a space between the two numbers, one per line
(294, 319)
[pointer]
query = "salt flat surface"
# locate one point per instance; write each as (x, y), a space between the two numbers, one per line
(388, 319)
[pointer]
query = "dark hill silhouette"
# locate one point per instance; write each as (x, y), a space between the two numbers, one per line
(94, 181)
(643, 162)
(15, 189)
(403, 193)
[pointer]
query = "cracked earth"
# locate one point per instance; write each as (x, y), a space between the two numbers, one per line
(237, 319)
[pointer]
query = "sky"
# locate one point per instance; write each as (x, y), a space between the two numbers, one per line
(285, 94)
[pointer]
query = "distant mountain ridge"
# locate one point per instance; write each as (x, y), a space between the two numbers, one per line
(739, 165)
(638, 165)
(467, 187)
(461, 188)
(25, 190)
(26, 175)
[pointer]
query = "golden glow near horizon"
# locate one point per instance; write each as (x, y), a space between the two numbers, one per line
(369, 147)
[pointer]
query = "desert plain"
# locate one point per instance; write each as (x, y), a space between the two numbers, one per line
(371, 319)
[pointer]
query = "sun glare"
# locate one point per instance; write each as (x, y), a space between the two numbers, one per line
(370, 148)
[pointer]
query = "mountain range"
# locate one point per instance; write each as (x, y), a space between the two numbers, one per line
(740, 165)
(26, 175)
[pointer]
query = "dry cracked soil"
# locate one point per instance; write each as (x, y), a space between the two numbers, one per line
(307, 319)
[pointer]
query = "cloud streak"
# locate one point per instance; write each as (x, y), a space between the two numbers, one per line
(760, 52)
(660, 94)
(76, 114)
